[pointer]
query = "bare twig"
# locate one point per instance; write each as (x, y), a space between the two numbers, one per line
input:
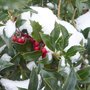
(73, 22)
(59, 7)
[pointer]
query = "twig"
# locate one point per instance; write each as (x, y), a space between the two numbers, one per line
(59, 7)
(73, 22)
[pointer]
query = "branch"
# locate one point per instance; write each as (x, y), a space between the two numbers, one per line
(59, 7)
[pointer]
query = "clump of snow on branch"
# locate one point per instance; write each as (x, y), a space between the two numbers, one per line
(31, 65)
(9, 28)
(2, 48)
(5, 57)
(13, 85)
(83, 21)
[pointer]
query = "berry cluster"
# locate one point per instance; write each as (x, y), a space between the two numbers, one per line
(21, 37)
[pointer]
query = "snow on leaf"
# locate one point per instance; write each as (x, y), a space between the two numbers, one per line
(83, 21)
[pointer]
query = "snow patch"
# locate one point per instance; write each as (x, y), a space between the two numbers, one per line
(2, 48)
(9, 28)
(5, 57)
(13, 85)
(31, 65)
(83, 21)
(50, 5)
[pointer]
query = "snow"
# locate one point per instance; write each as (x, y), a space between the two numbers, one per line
(44, 16)
(83, 21)
(2, 48)
(67, 70)
(77, 68)
(13, 85)
(62, 61)
(9, 28)
(1, 30)
(31, 65)
(50, 5)
(75, 58)
(5, 57)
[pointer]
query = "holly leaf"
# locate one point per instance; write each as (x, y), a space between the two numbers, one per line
(29, 56)
(62, 41)
(33, 80)
(20, 22)
(21, 89)
(73, 50)
(84, 73)
(56, 32)
(1, 41)
(48, 42)
(86, 32)
(71, 81)
(5, 64)
(36, 30)
(13, 4)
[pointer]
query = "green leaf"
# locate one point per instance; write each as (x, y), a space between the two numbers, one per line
(49, 80)
(8, 43)
(1, 41)
(29, 56)
(51, 83)
(16, 58)
(85, 81)
(84, 73)
(65, 36)
(5, 64)
(46, 74)
(19, 22)
(36, 30)
(73, 50)
(62, 41)
(21, 89)
(70, 8)
(78, 4)
(71, 81)
(85, 32)
(88, 44)
(1, 25)
(26, 47)
(44, 61)
(47, 40)
(33, 80)
(3, 15)
(88, 87)
(13, 4)
(19, 61)
(56, 32)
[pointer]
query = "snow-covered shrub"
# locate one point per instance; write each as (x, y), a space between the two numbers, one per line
(42, 52)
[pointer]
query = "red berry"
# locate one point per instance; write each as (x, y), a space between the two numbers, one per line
(44, 50)
(43, 55)
(31, 40)
(25, 35)
(36, 48)
(21, 40)
(36, 44)
(14, 38)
